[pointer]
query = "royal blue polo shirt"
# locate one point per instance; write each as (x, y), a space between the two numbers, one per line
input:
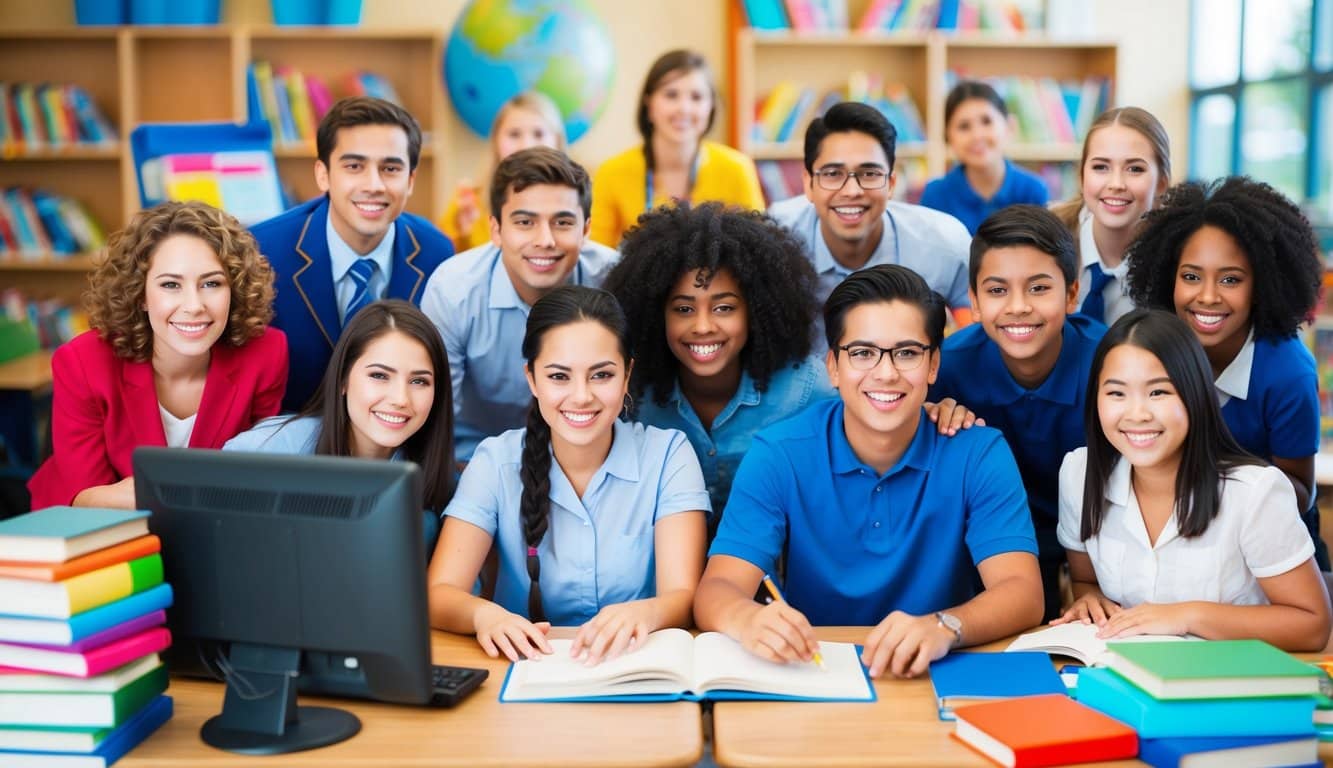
(861, 544)
(1270, 395)
(1041, 424)
(952, 194)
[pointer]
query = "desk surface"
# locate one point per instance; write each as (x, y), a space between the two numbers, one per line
(479, 732)
(901, 729)
(30, 372)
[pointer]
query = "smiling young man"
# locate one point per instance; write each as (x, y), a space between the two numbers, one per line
(882, 520)
(355, 243)
(848, 221)
(479, 300)
(1024, 366)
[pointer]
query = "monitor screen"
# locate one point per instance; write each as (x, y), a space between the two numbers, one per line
(291, 571)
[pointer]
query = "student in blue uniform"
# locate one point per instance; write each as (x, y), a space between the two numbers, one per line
(384, 396)
(1171, 527)
(480, 299)
(1023, 367)
(976, 128)
(1237, 261)
(597, 522)
(720, 304)
(882, 519)
(353, 244)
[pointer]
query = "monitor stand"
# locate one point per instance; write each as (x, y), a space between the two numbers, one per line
(259, 714)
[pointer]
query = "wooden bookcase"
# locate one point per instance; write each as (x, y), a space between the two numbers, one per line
(165, 74)
(760, 60)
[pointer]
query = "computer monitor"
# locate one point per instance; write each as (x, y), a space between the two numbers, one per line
(292, 571)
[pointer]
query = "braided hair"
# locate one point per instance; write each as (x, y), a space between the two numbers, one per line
(562, 306)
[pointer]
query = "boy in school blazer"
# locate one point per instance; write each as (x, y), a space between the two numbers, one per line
(1024, 366)
(355, 244)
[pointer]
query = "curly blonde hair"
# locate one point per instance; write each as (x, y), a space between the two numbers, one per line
(115, 295)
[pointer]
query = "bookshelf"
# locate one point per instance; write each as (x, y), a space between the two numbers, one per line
(919, 61)
(141, 74)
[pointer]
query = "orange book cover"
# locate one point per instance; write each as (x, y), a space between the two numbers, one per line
(1045, 730)
(120, 553)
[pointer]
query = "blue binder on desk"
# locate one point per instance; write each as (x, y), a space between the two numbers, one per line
(225, 165)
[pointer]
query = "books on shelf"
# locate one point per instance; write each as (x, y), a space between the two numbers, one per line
(785, 111)
(997, 16)
(55, 321)
(961, 679)
(673, 665)
(37, 116)
(1078, 641)
(35, 222)
(74, 748)
(293, 102)
(1047, 110)
(1043, 730)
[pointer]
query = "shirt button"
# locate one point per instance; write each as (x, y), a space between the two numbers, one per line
(879, 488)
(876, 523)
(712, 451)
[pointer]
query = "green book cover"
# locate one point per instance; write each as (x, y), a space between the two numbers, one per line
(1212, 659)
(146, 572)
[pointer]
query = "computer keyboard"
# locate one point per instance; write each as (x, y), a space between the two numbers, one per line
(453, 684)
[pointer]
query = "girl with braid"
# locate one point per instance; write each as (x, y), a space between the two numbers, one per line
(597, 523)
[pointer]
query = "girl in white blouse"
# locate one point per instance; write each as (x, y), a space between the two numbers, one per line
(1169, 526)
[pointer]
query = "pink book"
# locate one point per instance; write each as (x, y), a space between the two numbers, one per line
(320, 98)
(90, 663)
(802, 15)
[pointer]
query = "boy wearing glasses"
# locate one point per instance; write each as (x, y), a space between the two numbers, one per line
(1024, 366)
(881, 519)
(847, 220)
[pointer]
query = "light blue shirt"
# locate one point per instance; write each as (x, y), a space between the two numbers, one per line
(721, 449)
(935, 245)
(597, 550)
(481, 318)
(341, 258)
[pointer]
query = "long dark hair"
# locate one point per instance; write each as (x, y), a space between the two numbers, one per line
(432, 447)
(562, 306)
(1208, 452)
(679, 62)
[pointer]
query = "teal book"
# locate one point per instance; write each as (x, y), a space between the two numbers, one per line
(971, 678)
(1216, 669)
(57, 534)
(672, 665)
(1108, 692)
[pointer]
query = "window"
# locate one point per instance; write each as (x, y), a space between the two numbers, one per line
(1261, 90)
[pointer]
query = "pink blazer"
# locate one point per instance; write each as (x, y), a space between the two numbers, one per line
(103, 407)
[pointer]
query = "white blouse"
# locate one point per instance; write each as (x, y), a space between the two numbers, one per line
(178, 430)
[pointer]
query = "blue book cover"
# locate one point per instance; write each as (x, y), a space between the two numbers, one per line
(968, 678)
(112, 748)
(1252, 751)
(1110, 693)
(22, 629)
(948, 18)
(765, 14)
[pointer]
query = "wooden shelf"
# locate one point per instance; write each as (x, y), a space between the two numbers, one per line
(68, 152)
(1045, 153)
(45, 263)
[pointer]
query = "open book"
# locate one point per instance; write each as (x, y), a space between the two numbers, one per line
(1079, 641)
(673, 665)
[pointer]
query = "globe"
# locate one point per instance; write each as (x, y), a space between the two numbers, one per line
(500, 48)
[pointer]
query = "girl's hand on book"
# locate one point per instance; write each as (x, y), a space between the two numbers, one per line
(778, 632)
(949, 416)
(614, 630)
(499, 631)
(1092, 608)
(1149, 619)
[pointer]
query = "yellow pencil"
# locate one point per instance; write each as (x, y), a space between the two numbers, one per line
(777, 598)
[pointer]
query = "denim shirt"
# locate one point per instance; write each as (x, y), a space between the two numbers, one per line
(720, 450)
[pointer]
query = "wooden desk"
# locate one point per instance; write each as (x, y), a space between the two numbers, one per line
(479, 732)
(901, 729)
(30, 373)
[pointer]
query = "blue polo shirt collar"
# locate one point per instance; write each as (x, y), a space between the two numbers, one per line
(844, 461)
(503, 295)
(1061, 386)
(1235, 378)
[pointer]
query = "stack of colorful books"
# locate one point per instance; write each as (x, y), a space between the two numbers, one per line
(82, 609)
(1233, 702)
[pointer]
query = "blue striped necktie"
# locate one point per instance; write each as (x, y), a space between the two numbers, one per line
(360, 272)
(1094, 305)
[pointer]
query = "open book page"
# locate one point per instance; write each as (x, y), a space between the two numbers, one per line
(662, 665)
(720, 663)
(1079, 641)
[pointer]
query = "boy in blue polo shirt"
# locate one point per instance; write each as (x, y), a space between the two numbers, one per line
(881, 518)
(1024, 366)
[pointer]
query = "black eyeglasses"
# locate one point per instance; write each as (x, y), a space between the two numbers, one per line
(834, 179)
(905, 357)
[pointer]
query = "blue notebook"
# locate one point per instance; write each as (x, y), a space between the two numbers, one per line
(970, 678)
(672, 665)
(57, 534)
(1110, 693)
(112, 748)
(1252, 752)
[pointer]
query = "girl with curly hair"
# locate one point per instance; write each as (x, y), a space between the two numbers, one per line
(720, 303)
(385, 395)
(1238, 262)
(180, 353)
(595, 522)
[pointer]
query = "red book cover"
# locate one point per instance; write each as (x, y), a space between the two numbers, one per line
(1036, 731)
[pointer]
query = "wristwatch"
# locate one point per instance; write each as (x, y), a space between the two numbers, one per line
(951, 623)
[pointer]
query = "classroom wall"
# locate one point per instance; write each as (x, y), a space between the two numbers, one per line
(1153, 35)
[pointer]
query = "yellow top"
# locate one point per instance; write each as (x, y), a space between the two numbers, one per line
(618, 188)
(480, 232)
